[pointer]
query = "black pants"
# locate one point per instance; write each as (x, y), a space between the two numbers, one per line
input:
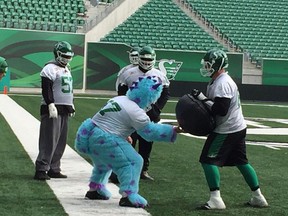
(144, 149)
(225, 149)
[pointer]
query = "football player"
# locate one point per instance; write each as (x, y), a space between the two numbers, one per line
(147, 60)
(56, 106)
(3, 67)
(134, 60)
(225, 146)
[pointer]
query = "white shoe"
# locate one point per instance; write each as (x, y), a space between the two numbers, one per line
(258, 201)
(214, 203)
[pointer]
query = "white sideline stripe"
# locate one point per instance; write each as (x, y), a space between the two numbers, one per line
(70, 191)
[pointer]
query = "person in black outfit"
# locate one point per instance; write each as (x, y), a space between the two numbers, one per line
(147, 59)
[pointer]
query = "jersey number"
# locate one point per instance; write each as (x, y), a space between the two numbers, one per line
(114, 107)
(67, 85)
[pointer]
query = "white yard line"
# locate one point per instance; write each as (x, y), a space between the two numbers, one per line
(70, 191)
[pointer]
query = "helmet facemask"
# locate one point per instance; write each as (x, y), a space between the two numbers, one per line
(147, 63)
(64, 58)
(207, 69)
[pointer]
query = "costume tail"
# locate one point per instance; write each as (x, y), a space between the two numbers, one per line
(82, 137)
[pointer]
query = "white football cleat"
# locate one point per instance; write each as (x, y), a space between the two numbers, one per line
(258, 201)
(214, 203)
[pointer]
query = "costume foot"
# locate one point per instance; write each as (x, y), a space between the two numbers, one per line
(94, 195)
(134, 200)
(53, 174)
(258, 201)
(213, 203)
(145, 176)
(41, 175)
(98, 191)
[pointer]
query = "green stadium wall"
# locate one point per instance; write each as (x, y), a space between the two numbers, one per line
(275, 72)
(5, 81)
(104, 61)
(27, 52)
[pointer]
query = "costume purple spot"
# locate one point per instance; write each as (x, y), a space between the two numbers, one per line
(163, 135)
(101, 142)
(84, 132)
(112, 156)
(132, 182)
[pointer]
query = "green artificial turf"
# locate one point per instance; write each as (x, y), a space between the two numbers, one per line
(179, 185)
(20, 194)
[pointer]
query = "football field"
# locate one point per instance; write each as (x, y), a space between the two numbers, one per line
(179, 185)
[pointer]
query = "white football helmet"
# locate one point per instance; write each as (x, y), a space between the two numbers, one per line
(134, 55)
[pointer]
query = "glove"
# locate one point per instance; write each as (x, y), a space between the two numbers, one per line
(178, 129)
(53, 113)
(198, 94)
(122, 89)
(72, 114)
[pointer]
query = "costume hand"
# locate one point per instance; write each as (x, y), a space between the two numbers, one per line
(53, 113)
(198, 94)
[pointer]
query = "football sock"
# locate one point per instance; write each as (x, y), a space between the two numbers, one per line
(250, 176)
(256, 192)
(212, 175)
(215, 193)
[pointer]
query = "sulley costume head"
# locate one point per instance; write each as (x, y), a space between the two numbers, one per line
(145, 91)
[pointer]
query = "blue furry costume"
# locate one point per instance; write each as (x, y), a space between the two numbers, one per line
(103, 139)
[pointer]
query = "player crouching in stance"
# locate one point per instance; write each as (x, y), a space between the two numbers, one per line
(225, 146)
(104, 139)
